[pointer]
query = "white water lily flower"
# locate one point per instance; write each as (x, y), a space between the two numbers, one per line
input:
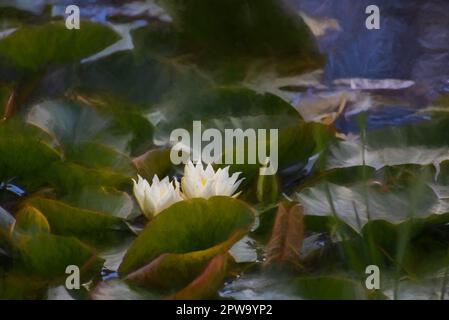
(156, 197)
(200, 183)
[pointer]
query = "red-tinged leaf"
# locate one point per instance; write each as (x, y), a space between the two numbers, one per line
(287, 236)
(175, 271)
(206, 285)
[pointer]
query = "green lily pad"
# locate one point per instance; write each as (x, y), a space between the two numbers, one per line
(350, 203)
(25, 150)
(128, 118)
(20, 287)
(36, 47)
(70, 177)
(205, 286)
(47, 256)
(75, 124)
(100, 156)
(424, 143)
(174, 271)
(188, 226)
(31, 220)
(135, 79)
(102, 199)
(68, 220)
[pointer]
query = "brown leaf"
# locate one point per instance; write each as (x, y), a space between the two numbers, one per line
(205, 286)
(286, 238)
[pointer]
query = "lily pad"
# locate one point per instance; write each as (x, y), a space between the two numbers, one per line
(47, 256)
(20, 287)
(208, 282)
(75, 124)
(188, 226)
(356, 207)
(36, 47)
(31, 220)
(68, 220)
(175, 271)
(25, 150)
(102, 199)
(70, 177)
(424, 143)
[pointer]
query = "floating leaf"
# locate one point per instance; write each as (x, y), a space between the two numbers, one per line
(208, 282)
(394, 198)
(423, 144)
(127, 118)
(20, 287)
(31, 220)
(138, 80)
(75, 124)
(101, 199)
(68, 220)
(36, 47)
(71, 177)
(45, 255)
(350, 204)
(174, 271)
(188, 226)
(25, 150)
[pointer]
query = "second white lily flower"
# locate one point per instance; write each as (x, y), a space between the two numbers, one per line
(200, 183)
